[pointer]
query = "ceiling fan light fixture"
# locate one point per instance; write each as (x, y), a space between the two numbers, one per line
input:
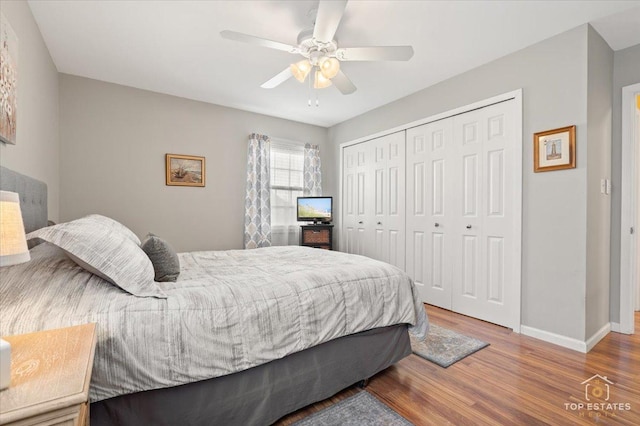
(300, 70)
(321, 81)
(330, 67)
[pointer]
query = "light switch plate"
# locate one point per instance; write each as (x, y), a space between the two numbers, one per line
(5, 364)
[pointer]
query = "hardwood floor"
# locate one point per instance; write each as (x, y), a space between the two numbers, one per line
(517, 380)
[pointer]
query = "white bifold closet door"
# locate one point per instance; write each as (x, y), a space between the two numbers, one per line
(429, 216)
(356, 215)
(374, 199)
(460, 229)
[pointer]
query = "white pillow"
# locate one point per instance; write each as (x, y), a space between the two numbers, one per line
(115, 226)
(103, 252)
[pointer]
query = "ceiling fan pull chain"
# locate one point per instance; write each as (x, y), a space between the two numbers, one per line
(309, 86)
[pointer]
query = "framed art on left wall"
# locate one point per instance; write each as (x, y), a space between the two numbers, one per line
(184, 170)
(8, 82)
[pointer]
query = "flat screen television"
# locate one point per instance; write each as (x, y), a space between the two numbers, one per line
(315, 209)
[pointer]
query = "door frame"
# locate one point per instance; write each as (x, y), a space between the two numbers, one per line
(516, 202)
(629, 210)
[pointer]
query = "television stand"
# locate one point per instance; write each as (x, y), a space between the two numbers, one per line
(318, 235)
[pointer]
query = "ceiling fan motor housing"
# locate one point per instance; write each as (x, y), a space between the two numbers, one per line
(313, 49)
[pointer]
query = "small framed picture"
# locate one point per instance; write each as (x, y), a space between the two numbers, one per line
(554, 149)
(185, 170)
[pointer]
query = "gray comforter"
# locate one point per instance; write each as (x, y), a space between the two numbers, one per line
(229, 311)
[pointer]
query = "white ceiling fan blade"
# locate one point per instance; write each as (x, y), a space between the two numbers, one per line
(327, 19)
(278, 79)
(375, 53)
(342, 82)
(258, 41)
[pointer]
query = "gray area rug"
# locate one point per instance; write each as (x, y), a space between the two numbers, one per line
(357, 410)
(445, 347)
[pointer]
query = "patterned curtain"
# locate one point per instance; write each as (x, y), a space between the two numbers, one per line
(257, 218)
(312, 173)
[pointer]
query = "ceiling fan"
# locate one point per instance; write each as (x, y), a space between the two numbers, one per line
(321, 52)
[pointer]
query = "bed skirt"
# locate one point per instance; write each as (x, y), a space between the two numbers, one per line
(263, 394)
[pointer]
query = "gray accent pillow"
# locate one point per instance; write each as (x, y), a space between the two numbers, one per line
(105, 253)
(115, 226)
(163, 257)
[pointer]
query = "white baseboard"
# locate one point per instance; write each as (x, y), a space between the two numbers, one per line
(615, 326)
(567, 342)
(556, 339)
(598, 335)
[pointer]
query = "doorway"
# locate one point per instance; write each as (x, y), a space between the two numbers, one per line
(637, 143)
(630, 219)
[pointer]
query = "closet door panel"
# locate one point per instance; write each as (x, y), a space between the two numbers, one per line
(469, 254)
(394, 203)
(389, 199)
(499, 233)
(484, 142)
(355, 205)
(379, 249)
(428, 186)
(349, 200)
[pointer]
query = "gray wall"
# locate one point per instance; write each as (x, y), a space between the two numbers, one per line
(113, 141)
(36, 151)
(626, 71)
(553, 76)
(599, 98)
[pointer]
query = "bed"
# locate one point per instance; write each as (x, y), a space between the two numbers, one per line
(242, 337)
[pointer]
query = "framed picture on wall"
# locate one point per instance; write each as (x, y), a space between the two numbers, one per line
(554, 149)
(8, 82)
(184, 170)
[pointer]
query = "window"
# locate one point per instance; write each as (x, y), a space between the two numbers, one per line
(287, 167)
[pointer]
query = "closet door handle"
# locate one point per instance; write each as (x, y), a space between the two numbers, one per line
(468, 226)
(436, 224)
(379, 223)
(360, 222)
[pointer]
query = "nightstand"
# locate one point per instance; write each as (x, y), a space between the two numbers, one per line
(50, 375)
(318, 236)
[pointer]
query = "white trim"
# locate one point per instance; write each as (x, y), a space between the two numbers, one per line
(461, 110)
(516, 96)
(517, 211)
(338, 229)
(556, 339)
(597, 336)
(615, 327)
(629, 210)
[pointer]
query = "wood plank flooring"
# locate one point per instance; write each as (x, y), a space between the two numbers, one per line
(517, 380)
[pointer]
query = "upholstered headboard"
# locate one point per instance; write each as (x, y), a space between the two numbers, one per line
(33, 197)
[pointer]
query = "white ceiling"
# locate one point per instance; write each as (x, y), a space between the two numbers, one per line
(174, 47)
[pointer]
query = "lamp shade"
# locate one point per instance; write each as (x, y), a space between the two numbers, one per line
(13, 244)
(321, 81)
(300, 70)
(330, 67)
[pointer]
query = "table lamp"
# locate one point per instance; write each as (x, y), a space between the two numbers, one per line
(13, 250)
